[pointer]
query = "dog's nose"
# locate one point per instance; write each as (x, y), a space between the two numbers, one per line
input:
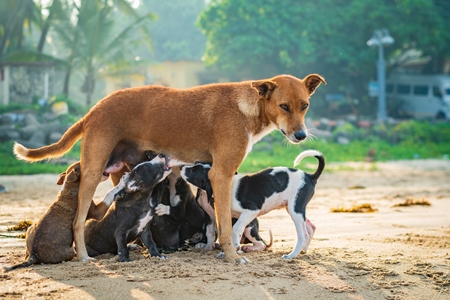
(300, 135)
(161, 155)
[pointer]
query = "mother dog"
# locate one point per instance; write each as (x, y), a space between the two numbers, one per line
(216, 123)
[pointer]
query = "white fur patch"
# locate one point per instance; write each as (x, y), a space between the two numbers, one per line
(247, 108)
(143, 222)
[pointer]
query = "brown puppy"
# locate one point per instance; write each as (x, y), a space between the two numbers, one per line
(216, 123)
(50, 239)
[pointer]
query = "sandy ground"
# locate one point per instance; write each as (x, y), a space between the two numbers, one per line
(395, 253)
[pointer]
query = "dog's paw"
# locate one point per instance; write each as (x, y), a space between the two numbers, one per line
(244, 260)
(133, 247)
(162, 257)
(200, 246)
(287, 256)
(162, 209)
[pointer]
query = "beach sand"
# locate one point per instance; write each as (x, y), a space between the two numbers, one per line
(393, 253)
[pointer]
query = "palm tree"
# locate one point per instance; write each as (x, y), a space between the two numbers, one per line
(15, 17)
(95, 39)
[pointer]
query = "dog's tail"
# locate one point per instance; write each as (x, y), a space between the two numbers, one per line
(30, 261)
(270, 241)
(72, 135)
(319, 157)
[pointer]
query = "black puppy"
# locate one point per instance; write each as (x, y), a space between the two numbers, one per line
(130, 215)
(179, 221)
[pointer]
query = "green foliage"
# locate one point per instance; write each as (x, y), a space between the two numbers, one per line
(174, 34)
(257, 39)
(406, 140)
(10, 165)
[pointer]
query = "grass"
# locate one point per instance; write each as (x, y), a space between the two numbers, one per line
(408, 140)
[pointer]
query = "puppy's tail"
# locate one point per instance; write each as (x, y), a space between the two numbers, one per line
(270, 241)
(31, 260)
(72, 135)
(319, 157)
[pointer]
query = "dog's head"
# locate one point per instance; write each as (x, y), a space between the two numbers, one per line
(145, 176)
(198, 175)
(71, 175)
(286, 101)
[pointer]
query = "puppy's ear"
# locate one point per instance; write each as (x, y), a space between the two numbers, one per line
(264, 87)
(119, 195)
(132, 186)
(73, 176)
(312, 81)
(61, 178)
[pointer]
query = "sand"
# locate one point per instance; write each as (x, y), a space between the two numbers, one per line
(394, 253)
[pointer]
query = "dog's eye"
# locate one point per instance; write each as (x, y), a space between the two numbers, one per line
(284, 107)
(304, 106)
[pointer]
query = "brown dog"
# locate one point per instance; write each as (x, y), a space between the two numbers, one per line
(50, 239)
(216, 123)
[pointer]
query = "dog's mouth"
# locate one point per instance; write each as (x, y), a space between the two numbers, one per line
(166, 164)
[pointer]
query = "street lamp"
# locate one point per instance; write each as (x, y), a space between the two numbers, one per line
(381, 37)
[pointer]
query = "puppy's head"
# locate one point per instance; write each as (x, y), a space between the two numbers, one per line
(198, 175)
(71, 175)
(286, 101)
(145, 176)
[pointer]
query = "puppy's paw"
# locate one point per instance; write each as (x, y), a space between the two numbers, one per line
(162, 209)
(287, 256)
(133, 247)
(163, 257)
(244, 260)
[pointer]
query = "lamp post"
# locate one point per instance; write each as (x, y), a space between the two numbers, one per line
(381, 37)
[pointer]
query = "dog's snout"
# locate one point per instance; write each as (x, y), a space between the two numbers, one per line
(300, 135)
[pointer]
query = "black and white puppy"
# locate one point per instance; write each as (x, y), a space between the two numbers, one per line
(179, 219)
(273, 188)
(130, 214)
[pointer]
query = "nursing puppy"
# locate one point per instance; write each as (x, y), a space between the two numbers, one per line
(50, 239)
(217, 123)
(130, 214)
(179, 220)
(257, 194)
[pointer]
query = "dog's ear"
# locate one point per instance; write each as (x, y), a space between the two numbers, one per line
(61, 178)
(264, 87)
(312, 81)
(119, 195)
(73, 175)
(133, 186)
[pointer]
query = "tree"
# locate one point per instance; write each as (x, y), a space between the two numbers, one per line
(256, 39)
(174, 34)
(15, 18)
(94, 40)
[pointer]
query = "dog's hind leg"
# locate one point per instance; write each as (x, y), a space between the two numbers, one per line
(302, 234)
(148, 241)
(93, 162)
(311, 229)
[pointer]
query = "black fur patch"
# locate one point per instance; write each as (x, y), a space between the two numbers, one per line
(253, 190)
(304, 194)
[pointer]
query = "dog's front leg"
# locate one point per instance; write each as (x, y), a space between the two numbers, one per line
(88, 185)
(121, 239)
(221, 177)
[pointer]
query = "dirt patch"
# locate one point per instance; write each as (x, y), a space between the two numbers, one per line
(393, 253)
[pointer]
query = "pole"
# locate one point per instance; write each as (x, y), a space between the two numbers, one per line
(381, 85)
